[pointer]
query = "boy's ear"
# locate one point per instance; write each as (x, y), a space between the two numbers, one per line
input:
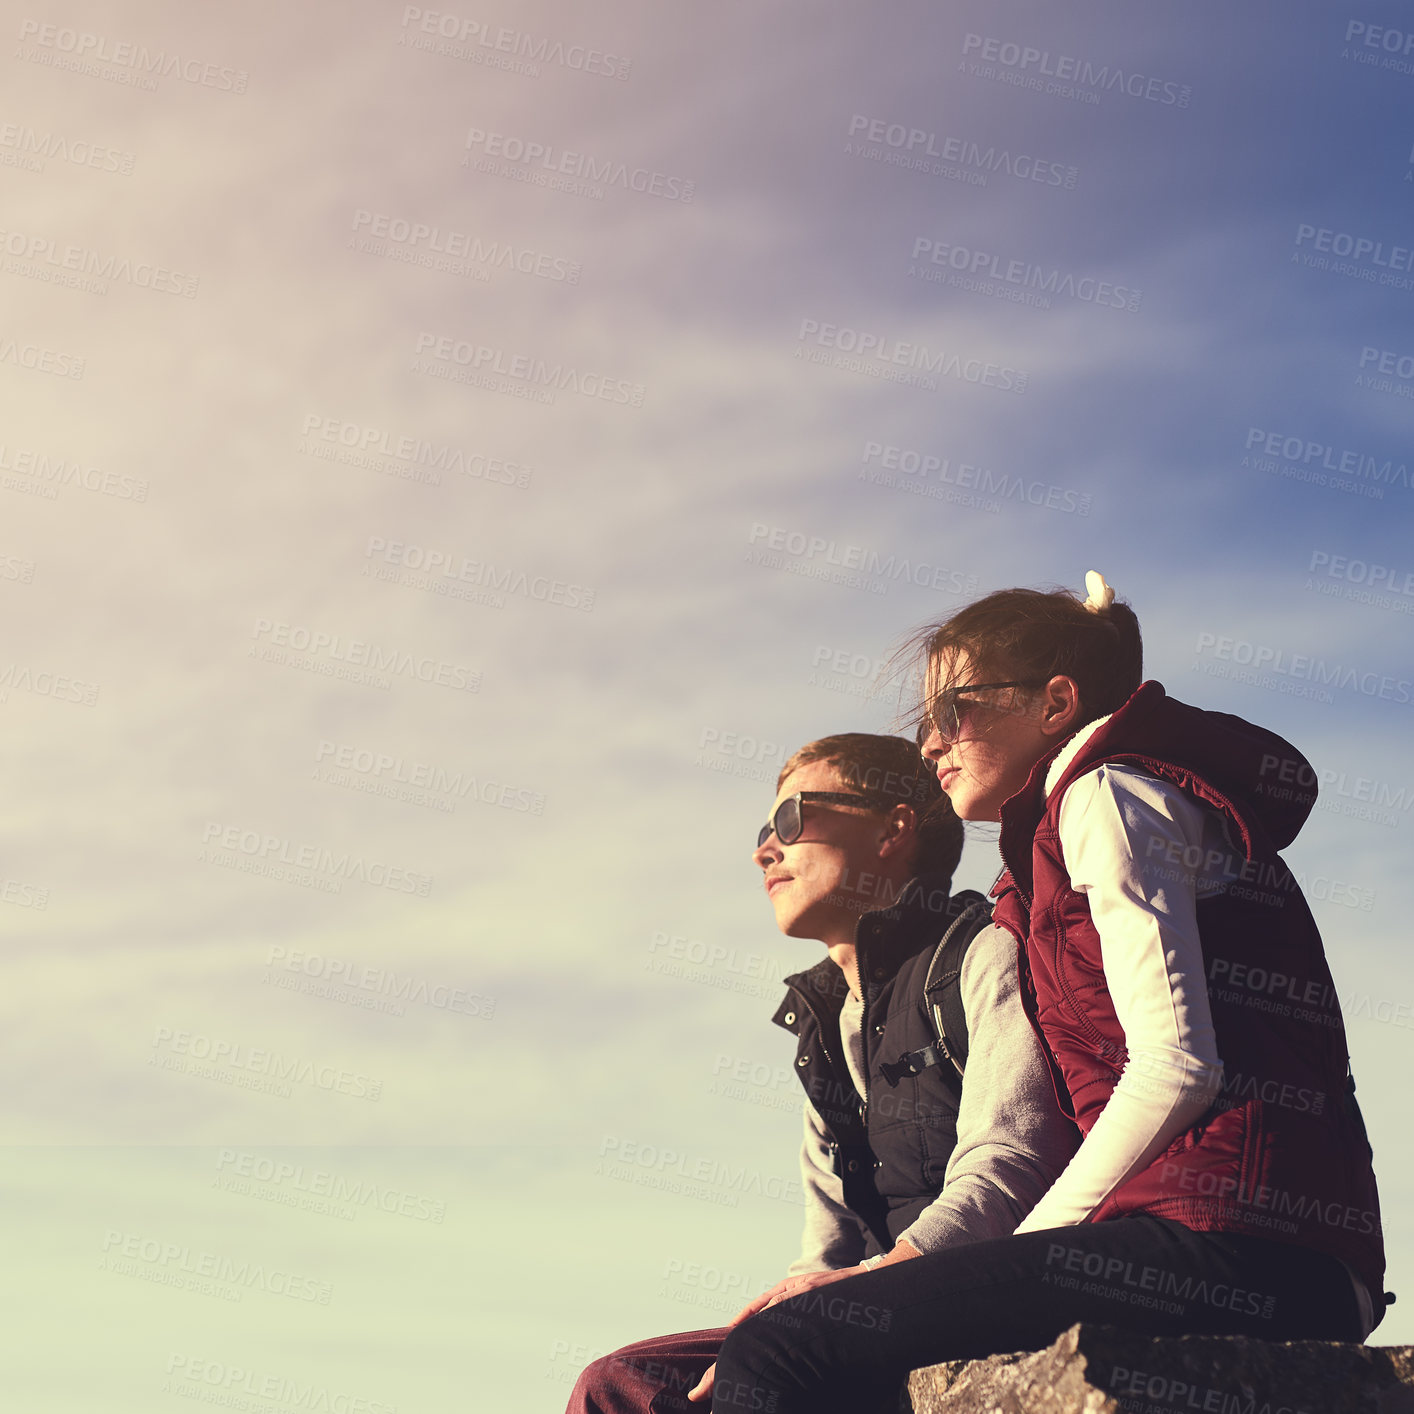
(902, 830)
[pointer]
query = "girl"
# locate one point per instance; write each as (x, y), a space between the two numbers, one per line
(1178, 982)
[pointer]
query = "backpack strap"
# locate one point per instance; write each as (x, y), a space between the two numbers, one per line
(942, 995)
(942, 987)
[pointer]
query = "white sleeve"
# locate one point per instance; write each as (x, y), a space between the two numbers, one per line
(832, 1237)
(1012, 1139)
(1121, 832)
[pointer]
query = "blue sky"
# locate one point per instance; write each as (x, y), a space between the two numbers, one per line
(304, 572)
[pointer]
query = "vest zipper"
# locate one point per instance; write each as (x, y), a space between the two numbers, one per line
(819, 1024)
(863, 1037)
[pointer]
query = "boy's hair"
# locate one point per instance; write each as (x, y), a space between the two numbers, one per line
(890, 768)
(1025, 634)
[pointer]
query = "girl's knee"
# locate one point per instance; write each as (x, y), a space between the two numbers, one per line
(760, 1362)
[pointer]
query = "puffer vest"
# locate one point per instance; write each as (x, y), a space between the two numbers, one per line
(892, 1152)
(1282, 1153)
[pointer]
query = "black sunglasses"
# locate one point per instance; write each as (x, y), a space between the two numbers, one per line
(944, 718)
(788, 820)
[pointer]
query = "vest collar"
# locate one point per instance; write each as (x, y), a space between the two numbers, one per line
(1073, 747)
(917, 917)
(1024, 811)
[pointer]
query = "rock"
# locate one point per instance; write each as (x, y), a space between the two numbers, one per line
(1100, 1370)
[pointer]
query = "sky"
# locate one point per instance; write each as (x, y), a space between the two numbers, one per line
(452, 457)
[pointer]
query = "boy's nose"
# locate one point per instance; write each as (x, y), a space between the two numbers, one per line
(764, 855)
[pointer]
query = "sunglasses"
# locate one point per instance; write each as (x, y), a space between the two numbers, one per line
(787, 823)
(945, 718)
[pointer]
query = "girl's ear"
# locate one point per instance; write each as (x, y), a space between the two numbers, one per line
(1060, 707)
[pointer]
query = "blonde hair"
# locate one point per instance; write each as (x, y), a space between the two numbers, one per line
(889, 768)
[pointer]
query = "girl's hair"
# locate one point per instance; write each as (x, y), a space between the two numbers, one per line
(1024, 634)
(890, 768)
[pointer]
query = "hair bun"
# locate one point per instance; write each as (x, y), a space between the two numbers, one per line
(1098, 595)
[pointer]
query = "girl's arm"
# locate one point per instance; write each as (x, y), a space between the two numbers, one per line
(1124, 835)
(1012, 1140)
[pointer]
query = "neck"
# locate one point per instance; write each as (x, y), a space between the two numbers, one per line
(872, 890)
(844, 957)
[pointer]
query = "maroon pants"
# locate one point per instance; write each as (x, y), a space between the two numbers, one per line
(649, 1377)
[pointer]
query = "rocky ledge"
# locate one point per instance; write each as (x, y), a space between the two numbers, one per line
(1101, 1370)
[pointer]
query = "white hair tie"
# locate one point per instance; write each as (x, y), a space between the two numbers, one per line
(1099, 595)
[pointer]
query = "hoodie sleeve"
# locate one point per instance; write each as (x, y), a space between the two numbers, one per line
(1012, 1139)
(832, 1238)
(1120, 830)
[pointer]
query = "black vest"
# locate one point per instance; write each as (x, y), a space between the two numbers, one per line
(891, 1154)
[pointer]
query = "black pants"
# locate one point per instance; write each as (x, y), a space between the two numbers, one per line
(847, 1347)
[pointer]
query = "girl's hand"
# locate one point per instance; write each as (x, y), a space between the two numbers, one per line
(793, 1286)
(783, 1290)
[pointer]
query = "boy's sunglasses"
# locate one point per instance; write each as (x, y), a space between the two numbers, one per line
(943, 716)
(787, 822)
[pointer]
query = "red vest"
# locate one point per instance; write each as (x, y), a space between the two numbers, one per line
(1282, 1154)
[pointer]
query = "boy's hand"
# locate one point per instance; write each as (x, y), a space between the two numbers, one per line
(703, 1388)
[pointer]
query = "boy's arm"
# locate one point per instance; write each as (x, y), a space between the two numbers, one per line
(833, 1237)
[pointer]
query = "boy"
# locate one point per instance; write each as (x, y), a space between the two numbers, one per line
(900, 1156)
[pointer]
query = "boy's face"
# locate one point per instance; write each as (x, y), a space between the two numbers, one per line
(839, 867)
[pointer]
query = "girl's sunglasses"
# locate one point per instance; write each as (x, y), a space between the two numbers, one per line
(788, 821)
(944, 717)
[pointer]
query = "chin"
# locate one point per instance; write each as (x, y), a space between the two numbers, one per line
(978, 814)
(798, 924)
(963, 805)
(968, 804)
(786, 917)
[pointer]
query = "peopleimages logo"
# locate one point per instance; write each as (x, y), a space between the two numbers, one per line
(1021, 281)
(1317, 463)
(233, 843)
(340, 656)
(59, 47)
(216, 1382)
(541, 163)
(439, 248)
(46, 257)
(214, 1058)
(918, 149)
(32, 149)
(1026, 66)
(1386, 370)
(134, 1254)
(942, 478)
(882, 355)
(62, 472)
(460, 38)
(1350, 251)
(328, 1185)
(1379, 45)
(41, 359)
(1303, 665)
(416, 458)
(859, 565)
(463, 361)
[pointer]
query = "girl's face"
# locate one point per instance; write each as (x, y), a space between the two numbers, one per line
(1001, 733)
